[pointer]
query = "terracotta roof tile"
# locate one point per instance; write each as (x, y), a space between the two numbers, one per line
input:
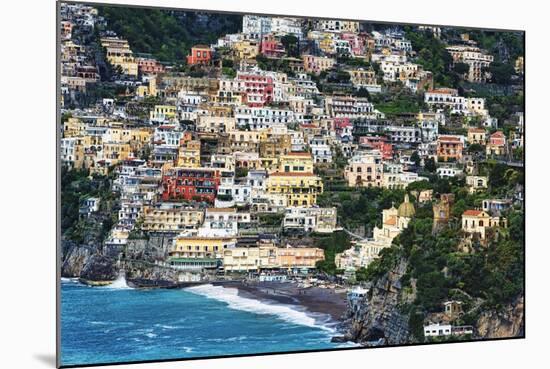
(472, 212)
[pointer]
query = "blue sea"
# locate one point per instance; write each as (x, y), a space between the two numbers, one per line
(117, 323)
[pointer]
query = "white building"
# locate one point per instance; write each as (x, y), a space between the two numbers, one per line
(262, 117)
(437, 330)
(320, 149)
(310, 219)
(448, 171)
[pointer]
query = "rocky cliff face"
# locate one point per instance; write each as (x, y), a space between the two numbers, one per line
(379, 320)
(91, 264)
(74, 258)
(85, 261)
(155, 247)
(99, 268)
(142, 274)
(509, 322)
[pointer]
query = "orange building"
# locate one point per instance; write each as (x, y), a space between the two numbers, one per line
(449, 148)
(200, 54)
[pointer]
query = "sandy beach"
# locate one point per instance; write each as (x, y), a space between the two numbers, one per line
(312, 299)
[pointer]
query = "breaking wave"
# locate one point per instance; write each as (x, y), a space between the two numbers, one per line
(234, 301)
(119, 284)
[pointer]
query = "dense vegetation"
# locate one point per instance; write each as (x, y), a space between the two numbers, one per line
(168, 35)
(397, 100)
(76, 186)
(332, 244)
(488, 277)
(433, 56)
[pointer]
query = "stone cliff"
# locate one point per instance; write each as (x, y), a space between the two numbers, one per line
(379, 321)
(508, 322)
(144, 274)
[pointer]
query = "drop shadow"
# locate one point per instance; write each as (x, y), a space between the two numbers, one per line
(48, 359)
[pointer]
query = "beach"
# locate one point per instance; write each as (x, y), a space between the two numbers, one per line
(314, 299)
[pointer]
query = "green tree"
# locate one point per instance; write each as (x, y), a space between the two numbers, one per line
(429, 165)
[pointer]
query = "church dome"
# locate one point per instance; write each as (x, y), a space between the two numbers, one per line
(406, 209)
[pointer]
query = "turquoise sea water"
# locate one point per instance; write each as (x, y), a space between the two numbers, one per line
(117, 323)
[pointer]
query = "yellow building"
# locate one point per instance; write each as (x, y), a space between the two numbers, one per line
(149, 89)
(477, 222)
(362, 77)
(326, 44)
(247, 141)
(301, 189)
(519, 65)
(297, 162)
(246, 49)
(189, 154)
(73, 127)
(119, 54)
(168, 217)
(275, 147)
(113, 152)
(244, 259)
(163, 113)
(477, 136)
(216, 119)
(201, 247)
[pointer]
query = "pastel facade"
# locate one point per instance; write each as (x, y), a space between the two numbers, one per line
(365, 169)
(496, 145)
(362, 253)
(478, 222)
(119, 55)
(299, 257)
(248, 259)
(296, 162)
(170, 217)
(317, 64)
(449, 148)
(200, 54)
(300, 189)
(201, 247)
(310, 219)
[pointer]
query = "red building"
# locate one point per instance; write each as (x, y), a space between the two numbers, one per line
(379, 143)
(200, 54)
(258, 89)
(272, 47)
(149, 66)
(343, 127)
(190, 184)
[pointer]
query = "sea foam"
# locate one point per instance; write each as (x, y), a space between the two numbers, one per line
(234, 301)
(118, 284)
(69, 280)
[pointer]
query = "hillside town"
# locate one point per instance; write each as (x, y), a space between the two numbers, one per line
(321, 152)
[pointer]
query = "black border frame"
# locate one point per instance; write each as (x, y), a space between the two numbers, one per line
(343, 349)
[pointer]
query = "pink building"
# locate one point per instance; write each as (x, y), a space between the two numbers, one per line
(258, 89)
(496, 144)
(379, 143)
(149, 66)
(356, 42)
(272, 47)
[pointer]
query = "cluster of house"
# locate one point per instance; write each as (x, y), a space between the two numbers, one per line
(214, 155)
(363, 252)
(443, 327)
(77, 65)
(476, 224)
